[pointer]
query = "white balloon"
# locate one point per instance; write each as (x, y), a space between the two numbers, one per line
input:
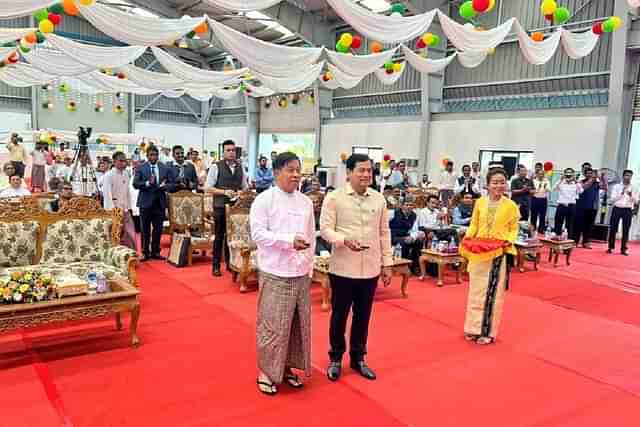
(396, 14)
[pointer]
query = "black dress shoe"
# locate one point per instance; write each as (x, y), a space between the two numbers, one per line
(625, 253)
(158, 257)
(609, 251)
(334, 371)
(362, 368)
(145, 258)
(216, 271)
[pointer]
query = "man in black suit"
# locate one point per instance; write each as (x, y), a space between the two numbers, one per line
(184, 175)
(152, 179)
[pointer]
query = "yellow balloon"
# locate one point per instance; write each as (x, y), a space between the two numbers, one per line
(492, 5)
(397, 67)
(87, 2)
(548, 7)
(46, 26)
(346, 39)
(617, 22)
(427, 38)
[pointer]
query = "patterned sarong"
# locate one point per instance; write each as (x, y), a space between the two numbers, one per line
(283, 334)
(487, 283)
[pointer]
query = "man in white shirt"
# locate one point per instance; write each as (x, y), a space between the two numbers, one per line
(568, 192)
(83, 178)
(467, 183)
(283, 228)
(116, 194)
(398, 178)
(15, 188)
(623, 197)
(430, 216)
(448, 183)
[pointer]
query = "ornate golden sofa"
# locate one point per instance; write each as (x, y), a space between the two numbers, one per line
(81, 237)
(242, 250)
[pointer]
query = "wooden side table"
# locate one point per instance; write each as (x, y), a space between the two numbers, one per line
(321, 275)
(442, 259)
(556, 247)
(526, 249)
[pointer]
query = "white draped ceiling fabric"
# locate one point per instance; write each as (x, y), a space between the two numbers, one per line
(97, 56)
(135, 29)
(242, 5)
(262, 57)
(426, 65)
(537, 53)
(634, 3)
(295, 83)
(18, 8)
(55, 62)
(360, 64)
(386, 29)
(345, 80)
(193, 74)
(389, 79)
(472, 59)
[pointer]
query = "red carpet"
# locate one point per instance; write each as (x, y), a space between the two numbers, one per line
(568, 355)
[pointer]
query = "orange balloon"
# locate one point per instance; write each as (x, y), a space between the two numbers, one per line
(31, 38)
(376, 47)
(537, 36)
(70, 7)
(202, 28)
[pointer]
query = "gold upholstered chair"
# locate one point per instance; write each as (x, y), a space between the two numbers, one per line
(186, 215)
(242, 250)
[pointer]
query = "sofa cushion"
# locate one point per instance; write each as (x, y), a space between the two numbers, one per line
(76, 240)
(118, 257)
(19, 242)
(80, 269)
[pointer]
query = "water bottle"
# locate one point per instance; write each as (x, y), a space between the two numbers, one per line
(434, 244)
(548, 234)
(565, 235)
(103, 285)
(92, 279)
(397, 251)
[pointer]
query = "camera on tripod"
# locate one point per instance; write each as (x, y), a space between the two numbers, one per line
(83, 138)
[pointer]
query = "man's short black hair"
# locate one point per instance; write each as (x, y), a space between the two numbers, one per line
(539, 164)
(283, 159)
(586, 164)
(449, 163)
(431, 196)
(177, 147)
(119, 154)
(227, 142)
(627, 171)
(152, 148)
(466, 166)
(355, 159)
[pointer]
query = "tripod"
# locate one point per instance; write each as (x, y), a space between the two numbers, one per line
(80, 151)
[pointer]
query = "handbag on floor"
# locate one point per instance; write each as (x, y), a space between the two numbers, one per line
(179, 252)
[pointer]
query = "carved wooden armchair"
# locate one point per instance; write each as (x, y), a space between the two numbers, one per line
(242, 250)
(186, 215)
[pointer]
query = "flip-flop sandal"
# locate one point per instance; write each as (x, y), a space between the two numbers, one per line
(293, 380)
(469, 337)
(485, 340)
(267, 388)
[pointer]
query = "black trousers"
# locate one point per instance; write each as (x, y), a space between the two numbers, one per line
(350, 294)
(220, 242)
(585, 218)
(411, 251)
(151, 220)
(620, 214)
(565, 215)
(539, 214)
(19, 167)
(524, 211)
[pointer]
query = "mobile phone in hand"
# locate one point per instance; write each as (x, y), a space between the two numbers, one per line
(364, 247)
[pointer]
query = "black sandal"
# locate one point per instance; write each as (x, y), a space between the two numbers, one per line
(272, 388)
(293, 380)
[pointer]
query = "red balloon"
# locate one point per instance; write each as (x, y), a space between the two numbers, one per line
(420, 44)
(356, 42)
(481, 6)
(548, 166)
(55, 18)
(597, 28)
(549, 17)
(387, 157)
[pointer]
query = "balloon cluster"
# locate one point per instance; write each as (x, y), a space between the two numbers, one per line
(47, 105)
(64, 88)
(118, 109)
(537, 36)
(11, 59)
(386, 161)
(608, 26)
(548, 168)
(327, 76)
(554, 13)
(47, 138)
(99, 107)
(392, 67)
(428, 40)
(472, 8)
(347, 42)
(343, 157)
(376, 47)
(72, 106)
(202, 28)
(102, 140)
(398, 9)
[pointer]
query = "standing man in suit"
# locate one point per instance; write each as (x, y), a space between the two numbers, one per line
(184, 175)
(152, 179)
(226, 177)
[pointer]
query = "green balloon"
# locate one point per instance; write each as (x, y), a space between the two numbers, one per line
(467, 11)
(435, 41)
(561, 15)
(40, 36)
(388, 66)
(41, 15)
(57, 8)
(608, 26)
(398, 8)
(25, 49)
(342, 48)
(191, 34)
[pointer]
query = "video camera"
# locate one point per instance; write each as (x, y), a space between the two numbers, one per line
(84, 135)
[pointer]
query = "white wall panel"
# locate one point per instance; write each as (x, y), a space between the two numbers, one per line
(172, 134)
(216, 135)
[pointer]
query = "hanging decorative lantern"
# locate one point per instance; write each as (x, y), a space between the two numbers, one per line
(283, 102)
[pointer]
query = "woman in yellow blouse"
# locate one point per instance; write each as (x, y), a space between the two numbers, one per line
(494, 217)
